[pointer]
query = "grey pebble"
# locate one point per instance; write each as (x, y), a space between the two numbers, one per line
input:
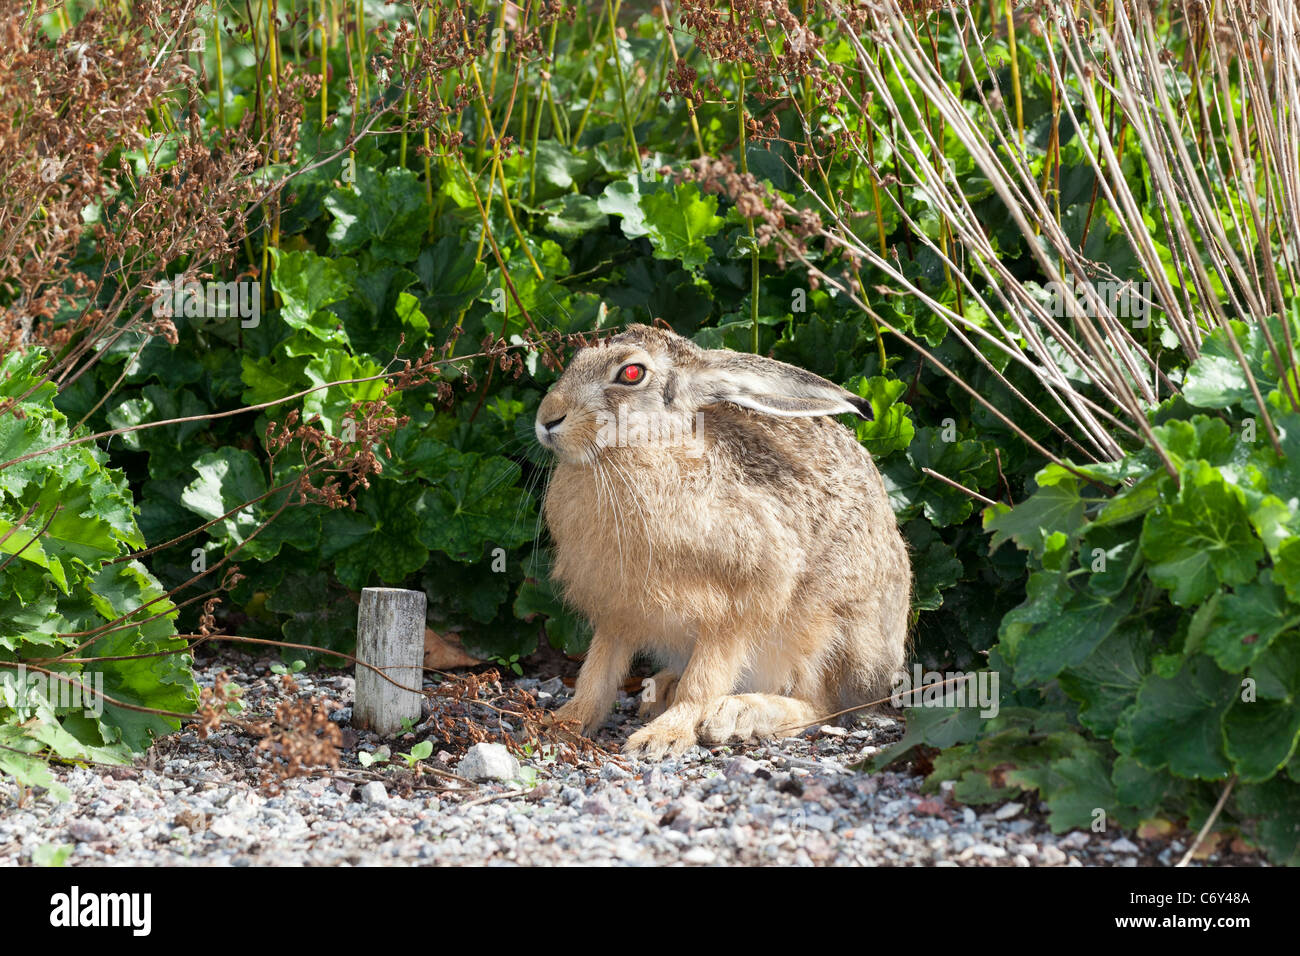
(87, 831)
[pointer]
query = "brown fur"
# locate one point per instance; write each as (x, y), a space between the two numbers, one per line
(758, 560)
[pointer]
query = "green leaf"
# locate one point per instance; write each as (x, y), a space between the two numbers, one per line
(478, 502)
(1106, 683)
(566, 631)
(227, 478)
(1075, 788)
(307, 283)
(408, 311)
(940, 727)
(379, 539)
(49, 854)
(622, 198)
(1202, 437)
(1136, 786)
(1178, 722)
(1216, 379)
(1055, 508)
(1286, 569)
(935, 565)
(910, 489)
(384, 212)
(678, 221)
(1132, 502)
(422, 750)
(333, 404)
(1201, 539)
(890, 428)
(269, 378)
(573, 215)
(1261, 734)
(451, 276)
(1274, 810)
(1246, 621)
(558, 169)
(1041, 650)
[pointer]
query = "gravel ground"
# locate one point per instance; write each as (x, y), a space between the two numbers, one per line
(792, 802)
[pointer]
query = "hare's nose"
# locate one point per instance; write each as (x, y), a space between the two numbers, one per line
(554, 423)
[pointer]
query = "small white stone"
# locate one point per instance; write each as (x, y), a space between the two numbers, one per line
(1008, 810)
(986, 850)
(226, 826)
(699, 856)
(1052, 856)
(488, 762)
(374, 792)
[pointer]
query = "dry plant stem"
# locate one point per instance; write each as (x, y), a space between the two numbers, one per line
(928, 356)
(629, 133)
(1209, 822)
(986, 260)
(1105, 346)
(135, 555)
(505, 274)
(91, 693)
(504, 795)
(959, 486)
(690, 106)
(127, 619)
(794, 728)
(227, 414)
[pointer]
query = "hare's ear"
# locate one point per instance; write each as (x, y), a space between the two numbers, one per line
(771, 387)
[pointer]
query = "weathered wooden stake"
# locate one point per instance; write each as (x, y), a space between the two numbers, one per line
(390, 636)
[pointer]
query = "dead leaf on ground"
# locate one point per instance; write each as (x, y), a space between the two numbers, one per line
(933, 808)
(443, 651)
(1155, 830)
(1209, 846)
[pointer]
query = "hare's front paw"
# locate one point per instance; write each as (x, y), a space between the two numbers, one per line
(661, 738)
(586, 718)
(657, 694)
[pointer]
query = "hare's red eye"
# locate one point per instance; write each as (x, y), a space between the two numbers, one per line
(631, 374)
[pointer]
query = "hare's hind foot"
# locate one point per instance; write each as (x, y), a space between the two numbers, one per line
(657, 694)
(738, 718)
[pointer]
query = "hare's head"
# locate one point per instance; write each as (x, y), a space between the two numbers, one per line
(653, 382)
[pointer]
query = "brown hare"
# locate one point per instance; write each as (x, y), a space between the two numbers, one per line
(707, 511)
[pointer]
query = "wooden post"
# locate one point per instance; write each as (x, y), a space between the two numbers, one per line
(390, 636)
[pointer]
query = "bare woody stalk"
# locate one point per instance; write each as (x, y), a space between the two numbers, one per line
(1230, 258)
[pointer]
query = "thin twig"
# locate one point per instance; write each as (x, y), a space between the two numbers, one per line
(1209, 822)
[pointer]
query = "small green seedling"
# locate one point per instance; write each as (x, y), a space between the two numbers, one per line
(526, 777)
(419, 752)
(381, 755)
(234, 706)
(510, 663)
(295, 667)
(48, 854)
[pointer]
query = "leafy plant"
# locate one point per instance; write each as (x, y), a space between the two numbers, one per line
(1156, 653)
(87, 634)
